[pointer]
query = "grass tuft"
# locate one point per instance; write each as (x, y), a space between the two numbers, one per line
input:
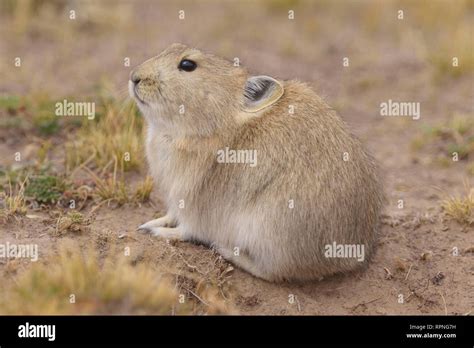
(113, 188)
(110, 189)
(116, 134)
(79, 282)
(460, 209)
(143, 190)
(13, 203)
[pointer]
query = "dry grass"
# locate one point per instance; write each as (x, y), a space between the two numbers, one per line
(143, 190)
(13, 202)
(110, 282)
(460, 209)
(112, 188)
(470, 169)
(117, 134)
(111, 285)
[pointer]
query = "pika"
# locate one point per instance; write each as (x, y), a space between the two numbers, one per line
(261, 170)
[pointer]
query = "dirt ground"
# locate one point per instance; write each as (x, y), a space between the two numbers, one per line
(424, 262)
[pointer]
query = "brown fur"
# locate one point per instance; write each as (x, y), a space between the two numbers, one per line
(228, 205)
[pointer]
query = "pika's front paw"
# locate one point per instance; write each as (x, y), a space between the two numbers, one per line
(165, 221)
(165, 232)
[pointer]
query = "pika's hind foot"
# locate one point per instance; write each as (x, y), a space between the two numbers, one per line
(244, 262)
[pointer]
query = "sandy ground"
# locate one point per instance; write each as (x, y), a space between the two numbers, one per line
(384, 66)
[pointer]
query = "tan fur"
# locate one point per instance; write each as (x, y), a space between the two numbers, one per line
(226, 205)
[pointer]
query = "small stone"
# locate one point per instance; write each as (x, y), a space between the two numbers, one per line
(426, 256)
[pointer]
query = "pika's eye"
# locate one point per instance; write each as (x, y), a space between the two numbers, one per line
(187, 65)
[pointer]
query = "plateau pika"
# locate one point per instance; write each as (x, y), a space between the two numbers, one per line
(262, 170)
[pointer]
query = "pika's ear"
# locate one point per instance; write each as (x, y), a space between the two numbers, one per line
(260, 92)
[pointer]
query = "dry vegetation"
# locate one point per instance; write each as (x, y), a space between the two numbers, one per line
(115, 135)
(78, 282)
(461, 209)
(13, 200)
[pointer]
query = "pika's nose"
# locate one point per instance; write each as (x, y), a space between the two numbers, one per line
(134, 77)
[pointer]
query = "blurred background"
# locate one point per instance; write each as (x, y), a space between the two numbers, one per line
(71, 56)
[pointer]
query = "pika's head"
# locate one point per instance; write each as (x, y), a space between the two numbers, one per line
(191, 92)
